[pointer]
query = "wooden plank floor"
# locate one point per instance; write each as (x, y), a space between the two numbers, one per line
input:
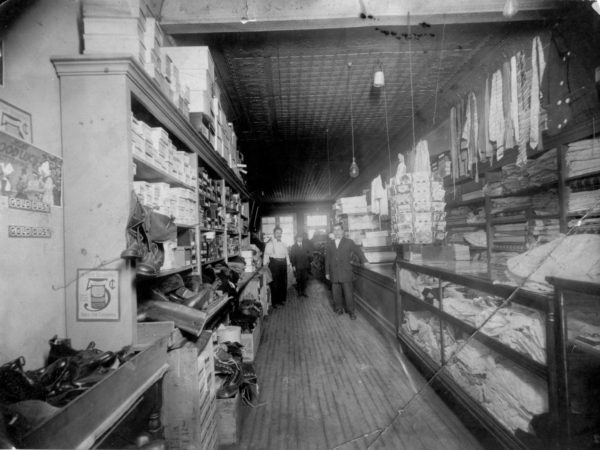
(327, 382)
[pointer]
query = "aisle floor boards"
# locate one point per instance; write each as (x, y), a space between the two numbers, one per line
(327, 382)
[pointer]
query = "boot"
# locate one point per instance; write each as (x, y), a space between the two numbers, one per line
(152, 262)
(136, 248)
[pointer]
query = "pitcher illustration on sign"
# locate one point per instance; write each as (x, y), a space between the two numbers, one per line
(99, 294)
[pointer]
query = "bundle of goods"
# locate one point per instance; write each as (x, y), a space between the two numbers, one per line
(464, 215)
(377, 246)
(542, 231)
(417, 209)
(575, 257)
(513, 178)
(581, 201)
(459, 235)
(583, 157)
(352, 205)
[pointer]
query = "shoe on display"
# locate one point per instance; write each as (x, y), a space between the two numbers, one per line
(152, 262)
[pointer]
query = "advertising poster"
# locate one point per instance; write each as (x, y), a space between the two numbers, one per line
(98, 295)
(29, 173)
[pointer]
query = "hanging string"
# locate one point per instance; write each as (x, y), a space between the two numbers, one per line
(412, 102)
(387, 131)
(351, 113)
(437, 81)
(328, 168)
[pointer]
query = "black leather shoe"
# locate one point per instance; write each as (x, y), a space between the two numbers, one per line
(352, 316)
(339, 312)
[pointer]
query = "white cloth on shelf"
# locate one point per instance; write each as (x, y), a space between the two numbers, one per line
(496, 118)
(538, 63)
(422, 161)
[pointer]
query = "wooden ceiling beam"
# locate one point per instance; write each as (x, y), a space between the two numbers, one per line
(242, 16)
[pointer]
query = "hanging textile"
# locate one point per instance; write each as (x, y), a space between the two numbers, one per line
(487, 148)
(454, 147)
(470, 135)
(422, 161)
(514, 101)
(379, 199)
(523, 108)
(496, 119)
(538, 63)
(509, 135)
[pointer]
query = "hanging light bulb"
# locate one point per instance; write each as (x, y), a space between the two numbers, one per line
(511, 7)
(379, 78)
(354, 171)
(596, 6)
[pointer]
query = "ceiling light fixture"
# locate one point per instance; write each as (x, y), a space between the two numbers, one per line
(511, 7)
(354, 171)
(596, 6)
(379, 78)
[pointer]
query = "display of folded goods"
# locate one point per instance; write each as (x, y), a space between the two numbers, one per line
(472, 195)
(583, 201)
(518, 327)
(424, 328)
(457, 235)
(500, 205)
(543, 170)
(544, 230)
(583, 157)
(587, 225)
(476, 239)
(508, 392)
(545, 203)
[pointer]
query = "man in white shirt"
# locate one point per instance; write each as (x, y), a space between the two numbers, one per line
(277, 259)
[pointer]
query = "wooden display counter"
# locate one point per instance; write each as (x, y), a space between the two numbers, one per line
(375, 294)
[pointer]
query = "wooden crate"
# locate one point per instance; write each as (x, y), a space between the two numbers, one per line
(189, 406)
(250, 342)
(229, 420)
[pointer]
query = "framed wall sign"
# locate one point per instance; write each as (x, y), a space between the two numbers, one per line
(15, 121)
(98, 295)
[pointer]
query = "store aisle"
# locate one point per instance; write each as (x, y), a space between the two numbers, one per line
(326, 380)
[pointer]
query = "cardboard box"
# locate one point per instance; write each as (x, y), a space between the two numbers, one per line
(229, 420)
(250, 342)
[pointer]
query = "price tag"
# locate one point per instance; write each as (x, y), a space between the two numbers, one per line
(23, 231)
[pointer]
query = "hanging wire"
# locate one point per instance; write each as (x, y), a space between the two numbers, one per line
(437, 81)
(387, 130)
(328, 167)
(412, 101)
(351, 113)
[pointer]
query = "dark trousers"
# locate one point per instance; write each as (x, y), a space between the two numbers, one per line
(348, 296)
(301, 279)
(279, 284)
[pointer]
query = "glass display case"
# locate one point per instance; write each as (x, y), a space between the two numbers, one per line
(491, 354)
(575, 314)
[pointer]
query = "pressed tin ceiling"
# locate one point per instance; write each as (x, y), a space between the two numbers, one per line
(288, 95)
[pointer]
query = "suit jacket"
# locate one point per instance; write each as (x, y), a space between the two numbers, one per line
(337, 260)
(299, 257)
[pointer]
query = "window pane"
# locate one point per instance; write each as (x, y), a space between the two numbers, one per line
(316, 221)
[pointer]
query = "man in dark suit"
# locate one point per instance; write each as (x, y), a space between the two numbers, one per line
(338, 269)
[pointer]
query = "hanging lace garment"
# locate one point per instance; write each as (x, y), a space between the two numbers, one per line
(524, 106)
(470, 135)
(496, 119)
(538, 63)
(514, 105)
(454, 148)
(422, 161)
(487, 148)
(509, 134)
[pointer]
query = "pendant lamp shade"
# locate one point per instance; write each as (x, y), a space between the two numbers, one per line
(379, 79)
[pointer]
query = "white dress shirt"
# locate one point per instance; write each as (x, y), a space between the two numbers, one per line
(275, 249)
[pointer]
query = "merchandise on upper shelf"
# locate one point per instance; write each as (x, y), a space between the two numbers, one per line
(582, 158)
(417, 209)
(582, 201)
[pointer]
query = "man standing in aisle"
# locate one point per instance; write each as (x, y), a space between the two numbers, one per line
(277, 259)
(338, 269)
(300, 259)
